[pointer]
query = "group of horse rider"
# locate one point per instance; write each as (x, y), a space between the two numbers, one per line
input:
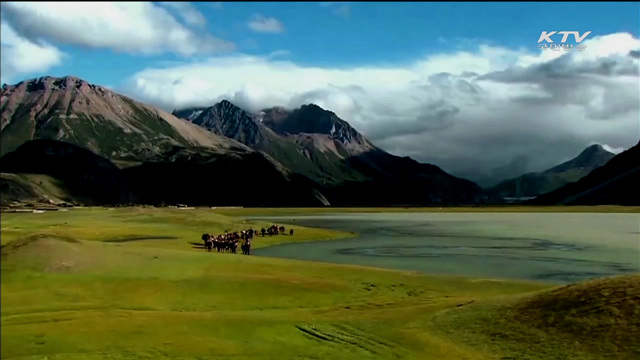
(228, 242)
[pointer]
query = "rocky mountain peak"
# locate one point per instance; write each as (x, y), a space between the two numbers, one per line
(71, 109)
(309, 119)
(226, 119)
(48, 84)
(226, 104)
(272, 115)
(593, 150)
(223, 109)
(228, 108)
(590, 158)
(312, 119)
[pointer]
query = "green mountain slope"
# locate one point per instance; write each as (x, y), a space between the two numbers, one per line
(77, 174)
(534, 184)
(32, 188)
(615, 183)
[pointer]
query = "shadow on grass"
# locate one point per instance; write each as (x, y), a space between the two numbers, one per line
(137, 238)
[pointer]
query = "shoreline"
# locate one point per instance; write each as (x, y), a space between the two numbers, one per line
(241, 211)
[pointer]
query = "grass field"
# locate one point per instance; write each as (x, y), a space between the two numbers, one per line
(73, 288)
(163, 227)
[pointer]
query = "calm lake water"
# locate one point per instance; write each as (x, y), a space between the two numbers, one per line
(558, 247)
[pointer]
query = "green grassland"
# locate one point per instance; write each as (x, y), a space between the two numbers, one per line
(75, 287)
(162, 227)
(595, 319)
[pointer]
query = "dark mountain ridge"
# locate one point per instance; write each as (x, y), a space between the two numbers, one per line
(86, 177)
(533, 184)
(592, 157)
(614, 183)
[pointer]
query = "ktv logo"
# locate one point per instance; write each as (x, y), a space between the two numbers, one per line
(562, 45)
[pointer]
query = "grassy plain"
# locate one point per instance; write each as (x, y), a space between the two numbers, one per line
(74, 286)
(161, 227)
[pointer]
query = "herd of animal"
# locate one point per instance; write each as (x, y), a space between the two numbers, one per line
(228, 242)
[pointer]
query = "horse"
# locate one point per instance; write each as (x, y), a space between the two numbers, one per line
(282, 229)
(246, 247)
(228, 242)
(219, 244)
(234, 247)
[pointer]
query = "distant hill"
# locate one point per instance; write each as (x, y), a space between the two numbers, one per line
(79, 175)
(534, 184)
(615, 183)
(42, 170)
(203, 178)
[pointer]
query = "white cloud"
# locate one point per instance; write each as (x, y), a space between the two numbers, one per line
(265, 24)
(613, 150)
(132, 27)
(19, 56)
(482, 103)
(187, 12)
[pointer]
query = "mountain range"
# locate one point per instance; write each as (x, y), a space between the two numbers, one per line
(614, 183)
(66, 140)
(531, 185)
(53, 128)
(110, 125)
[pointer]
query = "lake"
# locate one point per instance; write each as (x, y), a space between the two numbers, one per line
(551, 247)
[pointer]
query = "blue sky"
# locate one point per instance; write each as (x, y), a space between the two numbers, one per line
(435, 81)
(379, 33)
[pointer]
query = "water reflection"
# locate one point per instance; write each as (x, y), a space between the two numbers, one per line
(547, 247)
